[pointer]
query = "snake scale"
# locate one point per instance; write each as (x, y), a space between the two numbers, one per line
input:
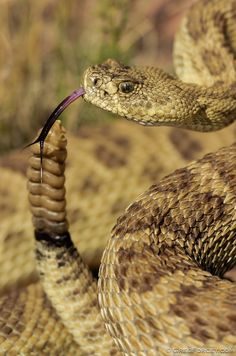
(161, 288)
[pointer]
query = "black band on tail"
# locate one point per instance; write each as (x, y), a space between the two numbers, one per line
(60, 240)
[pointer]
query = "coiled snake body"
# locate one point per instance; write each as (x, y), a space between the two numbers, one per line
(160, 289)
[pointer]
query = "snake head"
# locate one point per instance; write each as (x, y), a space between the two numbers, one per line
(117, 88)
(143, 94)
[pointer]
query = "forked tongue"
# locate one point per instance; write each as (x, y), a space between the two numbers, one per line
(53, 117)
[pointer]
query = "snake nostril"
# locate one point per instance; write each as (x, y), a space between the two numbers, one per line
(95, 81)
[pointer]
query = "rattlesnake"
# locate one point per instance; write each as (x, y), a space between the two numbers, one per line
(154, 297)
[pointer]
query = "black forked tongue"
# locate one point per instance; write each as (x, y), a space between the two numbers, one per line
(52, 118)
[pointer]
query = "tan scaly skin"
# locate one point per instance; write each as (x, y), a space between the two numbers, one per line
(159, 285)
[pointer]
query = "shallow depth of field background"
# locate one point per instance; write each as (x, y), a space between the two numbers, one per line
(45, 46)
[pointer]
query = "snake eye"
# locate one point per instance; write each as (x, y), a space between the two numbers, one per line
(126, 87)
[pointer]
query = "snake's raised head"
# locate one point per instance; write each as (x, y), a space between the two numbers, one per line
(146, 95)
(123, 90)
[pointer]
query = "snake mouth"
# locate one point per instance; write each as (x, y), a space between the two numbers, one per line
(54, 116)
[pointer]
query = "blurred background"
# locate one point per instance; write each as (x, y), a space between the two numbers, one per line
(45, 46)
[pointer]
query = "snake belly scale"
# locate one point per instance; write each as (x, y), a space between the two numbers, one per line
(160, 286)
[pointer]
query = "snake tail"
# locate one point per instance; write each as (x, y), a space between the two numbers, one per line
(67, 280)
